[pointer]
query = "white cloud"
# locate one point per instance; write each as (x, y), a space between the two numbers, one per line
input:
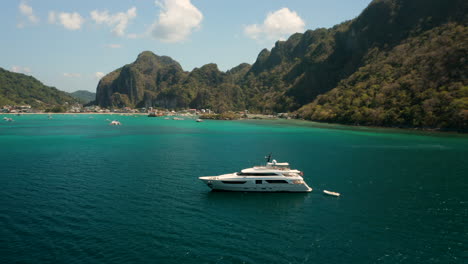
(72, 75)
(276, 25)
(176, 21)
(71, 21)
(99, 75)
(28, 12)
(118, 21)
(113, 46)
(20, 69)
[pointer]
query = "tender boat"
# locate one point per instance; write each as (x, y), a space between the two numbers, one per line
(273, 177)
(199, 120)
(115, 123)
(331, 193)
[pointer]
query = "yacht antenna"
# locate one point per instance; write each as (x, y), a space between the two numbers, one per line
(268, 158)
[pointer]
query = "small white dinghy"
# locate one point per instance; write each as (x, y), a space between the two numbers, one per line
(115, 123)
(331, 193)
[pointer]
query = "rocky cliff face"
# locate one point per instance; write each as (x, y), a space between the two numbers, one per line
(139, 83)
(159, 81)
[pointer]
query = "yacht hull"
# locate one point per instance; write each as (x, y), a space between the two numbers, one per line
(251, 185)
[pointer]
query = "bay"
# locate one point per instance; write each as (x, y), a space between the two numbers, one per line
(76, 190)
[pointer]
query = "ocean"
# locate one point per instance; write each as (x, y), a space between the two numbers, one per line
(74, 189)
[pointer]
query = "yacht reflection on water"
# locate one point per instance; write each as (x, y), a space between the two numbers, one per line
(256, 200)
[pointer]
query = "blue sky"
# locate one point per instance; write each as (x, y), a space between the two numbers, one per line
(71, 44)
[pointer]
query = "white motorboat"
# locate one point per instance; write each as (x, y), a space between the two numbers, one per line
(199, 120)
(115, 123)
(273, 177)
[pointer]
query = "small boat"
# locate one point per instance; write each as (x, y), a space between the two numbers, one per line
(331, 193)
(199, 120)
(115, 123)
(5, 118)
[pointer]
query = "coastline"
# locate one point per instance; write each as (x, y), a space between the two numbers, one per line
(261, 117)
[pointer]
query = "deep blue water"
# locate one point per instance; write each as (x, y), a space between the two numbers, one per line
(76, 190)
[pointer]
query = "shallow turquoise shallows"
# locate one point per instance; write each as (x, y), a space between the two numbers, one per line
(74, 189)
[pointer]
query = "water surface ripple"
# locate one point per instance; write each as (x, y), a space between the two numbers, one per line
(76, 190)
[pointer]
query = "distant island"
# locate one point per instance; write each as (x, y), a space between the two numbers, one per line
(400, 63)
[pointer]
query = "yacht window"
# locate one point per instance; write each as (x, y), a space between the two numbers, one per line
(257, 174)
(258, 181)
(276, 181)
(234, 182)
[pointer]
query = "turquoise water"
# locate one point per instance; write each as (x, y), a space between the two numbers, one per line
(76, 190)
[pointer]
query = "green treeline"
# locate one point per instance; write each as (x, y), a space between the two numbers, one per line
(418, 83)
(21, 89)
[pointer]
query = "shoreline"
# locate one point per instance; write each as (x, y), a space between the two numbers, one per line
(260, 117)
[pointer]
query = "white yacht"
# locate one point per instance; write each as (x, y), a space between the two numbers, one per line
(273, 177)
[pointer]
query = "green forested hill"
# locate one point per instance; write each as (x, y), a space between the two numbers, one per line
(419, 83)
(399, 63)
(19, 89)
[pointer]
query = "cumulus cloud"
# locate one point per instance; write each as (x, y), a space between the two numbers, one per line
(28, 12)
(71, 21)
(99, 75)
(276, 25)
(72, 75)
(20, 69)
(118, 21)
(176, 20)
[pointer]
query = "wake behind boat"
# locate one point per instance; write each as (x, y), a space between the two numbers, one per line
(273, 177)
